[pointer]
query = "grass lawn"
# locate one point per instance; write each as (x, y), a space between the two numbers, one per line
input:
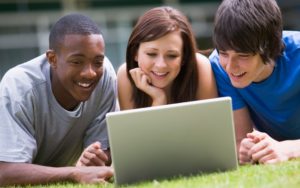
(285, 174)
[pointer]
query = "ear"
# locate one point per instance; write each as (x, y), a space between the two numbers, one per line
(52, 58)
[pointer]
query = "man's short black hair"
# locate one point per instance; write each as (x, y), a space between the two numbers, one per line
(71, 24)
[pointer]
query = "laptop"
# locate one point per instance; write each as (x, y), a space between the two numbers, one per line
(172, 140)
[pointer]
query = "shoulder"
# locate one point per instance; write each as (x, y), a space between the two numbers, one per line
(123, 80)
(122, 69)
(295, 35)
(124, 88)
(109, 69)
(107, 86)
(108, 79)
(291, 40)
(24, 77)
(215, 64)
(207, 87)
(203, 64)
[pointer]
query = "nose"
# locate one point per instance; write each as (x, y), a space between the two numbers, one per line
(160, 62)
(230, 63)
(88, 71)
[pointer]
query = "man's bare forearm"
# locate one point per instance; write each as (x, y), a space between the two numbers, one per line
(22, 173)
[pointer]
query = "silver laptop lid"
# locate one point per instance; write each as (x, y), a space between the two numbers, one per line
(171, 140)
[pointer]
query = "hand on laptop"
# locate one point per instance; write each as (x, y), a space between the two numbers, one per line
(144, 83)
(93, 155)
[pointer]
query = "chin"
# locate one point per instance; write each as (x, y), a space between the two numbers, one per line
(83, 98)
(159, 86)
(239, 85)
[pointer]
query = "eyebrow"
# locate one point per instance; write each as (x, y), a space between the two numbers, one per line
(82, 55)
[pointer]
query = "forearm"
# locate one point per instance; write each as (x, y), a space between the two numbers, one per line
(22, 173)
(293, 148)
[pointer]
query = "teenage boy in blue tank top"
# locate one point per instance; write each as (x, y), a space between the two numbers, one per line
(258, 66)
(53, 108)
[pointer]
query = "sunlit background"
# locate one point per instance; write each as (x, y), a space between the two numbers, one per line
(25, 24)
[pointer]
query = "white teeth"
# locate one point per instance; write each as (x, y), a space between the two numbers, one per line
(160, 74)
(86, 85)
(238, 74)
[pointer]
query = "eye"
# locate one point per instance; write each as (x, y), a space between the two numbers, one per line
(244, 56)
(224, 54)
(151, 54)
(75, 62)
(172, 56)
(99, 63)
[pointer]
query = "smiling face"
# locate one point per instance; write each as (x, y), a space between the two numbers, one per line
(161, 59)
(76, 68)
(244, 68)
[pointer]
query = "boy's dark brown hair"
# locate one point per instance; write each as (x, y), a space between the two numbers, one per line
(249, 26)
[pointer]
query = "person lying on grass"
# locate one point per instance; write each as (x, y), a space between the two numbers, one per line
(54, 106)
(256, 63)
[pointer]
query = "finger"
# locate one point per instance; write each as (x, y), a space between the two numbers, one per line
(247, 143)
(100, 155)
(86, 162)
(145, 80)
(259, 154)
(100, 160)
(141, 80)
(133, 74)
(243, 160)
(136, 77)
(96, 145)
(244, 157)
(267, 159)
(92, 159)
(136, 72)
(106, 172)
(257, 136)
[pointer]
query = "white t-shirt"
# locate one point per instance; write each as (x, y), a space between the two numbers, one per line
(34, 128)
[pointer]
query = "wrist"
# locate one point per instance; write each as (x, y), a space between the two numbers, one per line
(159, 101)
(292, 148)
(69, 173)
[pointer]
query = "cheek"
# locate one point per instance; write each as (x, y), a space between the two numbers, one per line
(144, 63)
(223, 64)
(222, 61)
(177, 66)
(100, 73)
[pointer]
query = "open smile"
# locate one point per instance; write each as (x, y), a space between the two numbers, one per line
(85, 85)
(160, 74)
(238, 75)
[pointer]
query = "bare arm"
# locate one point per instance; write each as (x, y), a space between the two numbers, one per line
(124, 89)
(269, 151)
(22, 173)
(207, 84)
(255, 146)
(243, 125)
